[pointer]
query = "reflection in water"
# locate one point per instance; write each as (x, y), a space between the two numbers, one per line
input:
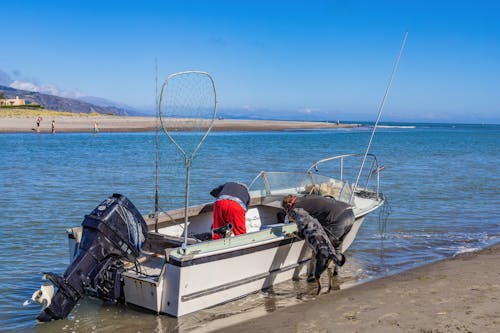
(270, 301)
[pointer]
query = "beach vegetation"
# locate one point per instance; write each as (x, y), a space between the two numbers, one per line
(25, 106)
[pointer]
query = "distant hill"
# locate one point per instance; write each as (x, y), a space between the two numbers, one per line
(57, 103)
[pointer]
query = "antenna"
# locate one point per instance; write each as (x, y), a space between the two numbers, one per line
(381, 107)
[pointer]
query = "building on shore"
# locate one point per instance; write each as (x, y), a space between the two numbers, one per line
(12, 101)
(15, 102)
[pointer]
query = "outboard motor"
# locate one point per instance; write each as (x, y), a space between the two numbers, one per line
(113, 231)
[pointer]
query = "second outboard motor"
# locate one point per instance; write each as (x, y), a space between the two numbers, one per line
(114, 230)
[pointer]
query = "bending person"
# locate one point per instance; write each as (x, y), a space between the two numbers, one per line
(335, 216)
(229, 209)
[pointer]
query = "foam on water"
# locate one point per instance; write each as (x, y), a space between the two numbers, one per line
(393, 126)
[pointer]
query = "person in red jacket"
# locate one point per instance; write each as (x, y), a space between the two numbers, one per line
(231, 204)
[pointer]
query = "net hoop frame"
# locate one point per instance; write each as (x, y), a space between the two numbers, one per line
(162, 121)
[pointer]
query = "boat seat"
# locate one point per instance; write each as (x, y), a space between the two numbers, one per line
(252, 220)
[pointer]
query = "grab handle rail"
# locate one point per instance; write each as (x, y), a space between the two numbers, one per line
(374, 169)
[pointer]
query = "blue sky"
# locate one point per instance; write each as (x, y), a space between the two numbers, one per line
(317, 59)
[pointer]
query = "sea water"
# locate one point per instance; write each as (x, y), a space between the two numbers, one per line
(441, 182)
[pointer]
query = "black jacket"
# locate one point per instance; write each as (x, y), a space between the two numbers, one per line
(232, 189)
(325, 210)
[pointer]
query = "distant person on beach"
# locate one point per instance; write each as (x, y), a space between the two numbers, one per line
(38, 121)
(231, 204)
(96, 129)
(53, 126)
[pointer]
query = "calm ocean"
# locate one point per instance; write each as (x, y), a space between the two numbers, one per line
(441, 181)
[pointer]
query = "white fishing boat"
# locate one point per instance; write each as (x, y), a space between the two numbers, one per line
(168, 278)
(167, 262)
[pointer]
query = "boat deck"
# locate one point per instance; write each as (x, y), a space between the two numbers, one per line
(149, 267)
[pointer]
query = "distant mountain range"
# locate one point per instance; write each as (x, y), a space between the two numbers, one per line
(56, 103)
(89, 104)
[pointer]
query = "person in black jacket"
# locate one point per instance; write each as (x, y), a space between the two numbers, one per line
(230, 208)
(335, 216)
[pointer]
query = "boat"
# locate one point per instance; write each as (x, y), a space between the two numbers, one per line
(167, 279)
(168, 263)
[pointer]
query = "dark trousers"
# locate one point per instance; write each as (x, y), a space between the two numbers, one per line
(337, 229)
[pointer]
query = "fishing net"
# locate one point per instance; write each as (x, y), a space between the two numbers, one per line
(187, 109)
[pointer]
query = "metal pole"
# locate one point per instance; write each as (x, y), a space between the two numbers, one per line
(186, 203)
(156, 146)
(379, 113)
(341, 168)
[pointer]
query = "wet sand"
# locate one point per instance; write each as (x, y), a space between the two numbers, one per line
(460, 294)
(140, 124)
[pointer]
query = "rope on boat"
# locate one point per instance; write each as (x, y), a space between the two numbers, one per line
(383, 217)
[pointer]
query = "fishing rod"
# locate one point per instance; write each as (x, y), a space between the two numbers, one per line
(381, 107)
(156, 145)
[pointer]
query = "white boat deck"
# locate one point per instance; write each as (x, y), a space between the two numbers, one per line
(149, 267)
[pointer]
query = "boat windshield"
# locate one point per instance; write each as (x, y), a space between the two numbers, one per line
(283, 183)
(339, 185)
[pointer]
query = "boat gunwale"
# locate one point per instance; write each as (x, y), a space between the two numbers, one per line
(173, 256)
(227, 252)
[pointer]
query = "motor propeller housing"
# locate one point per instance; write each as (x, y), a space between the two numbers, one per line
(112, 232)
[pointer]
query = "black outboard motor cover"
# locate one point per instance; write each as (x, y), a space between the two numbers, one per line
(114, 230)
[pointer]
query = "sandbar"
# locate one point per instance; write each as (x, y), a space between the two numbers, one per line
(143, 124)
(460, 294)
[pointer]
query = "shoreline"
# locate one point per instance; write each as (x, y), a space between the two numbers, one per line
(85, 124)
(458, 294)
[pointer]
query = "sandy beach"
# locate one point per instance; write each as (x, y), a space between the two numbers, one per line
(140, 124)
(460, 294)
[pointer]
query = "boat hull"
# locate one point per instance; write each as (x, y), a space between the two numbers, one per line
(221, 279)
(186, 286)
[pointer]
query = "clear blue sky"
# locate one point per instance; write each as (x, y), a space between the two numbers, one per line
(284, 57)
